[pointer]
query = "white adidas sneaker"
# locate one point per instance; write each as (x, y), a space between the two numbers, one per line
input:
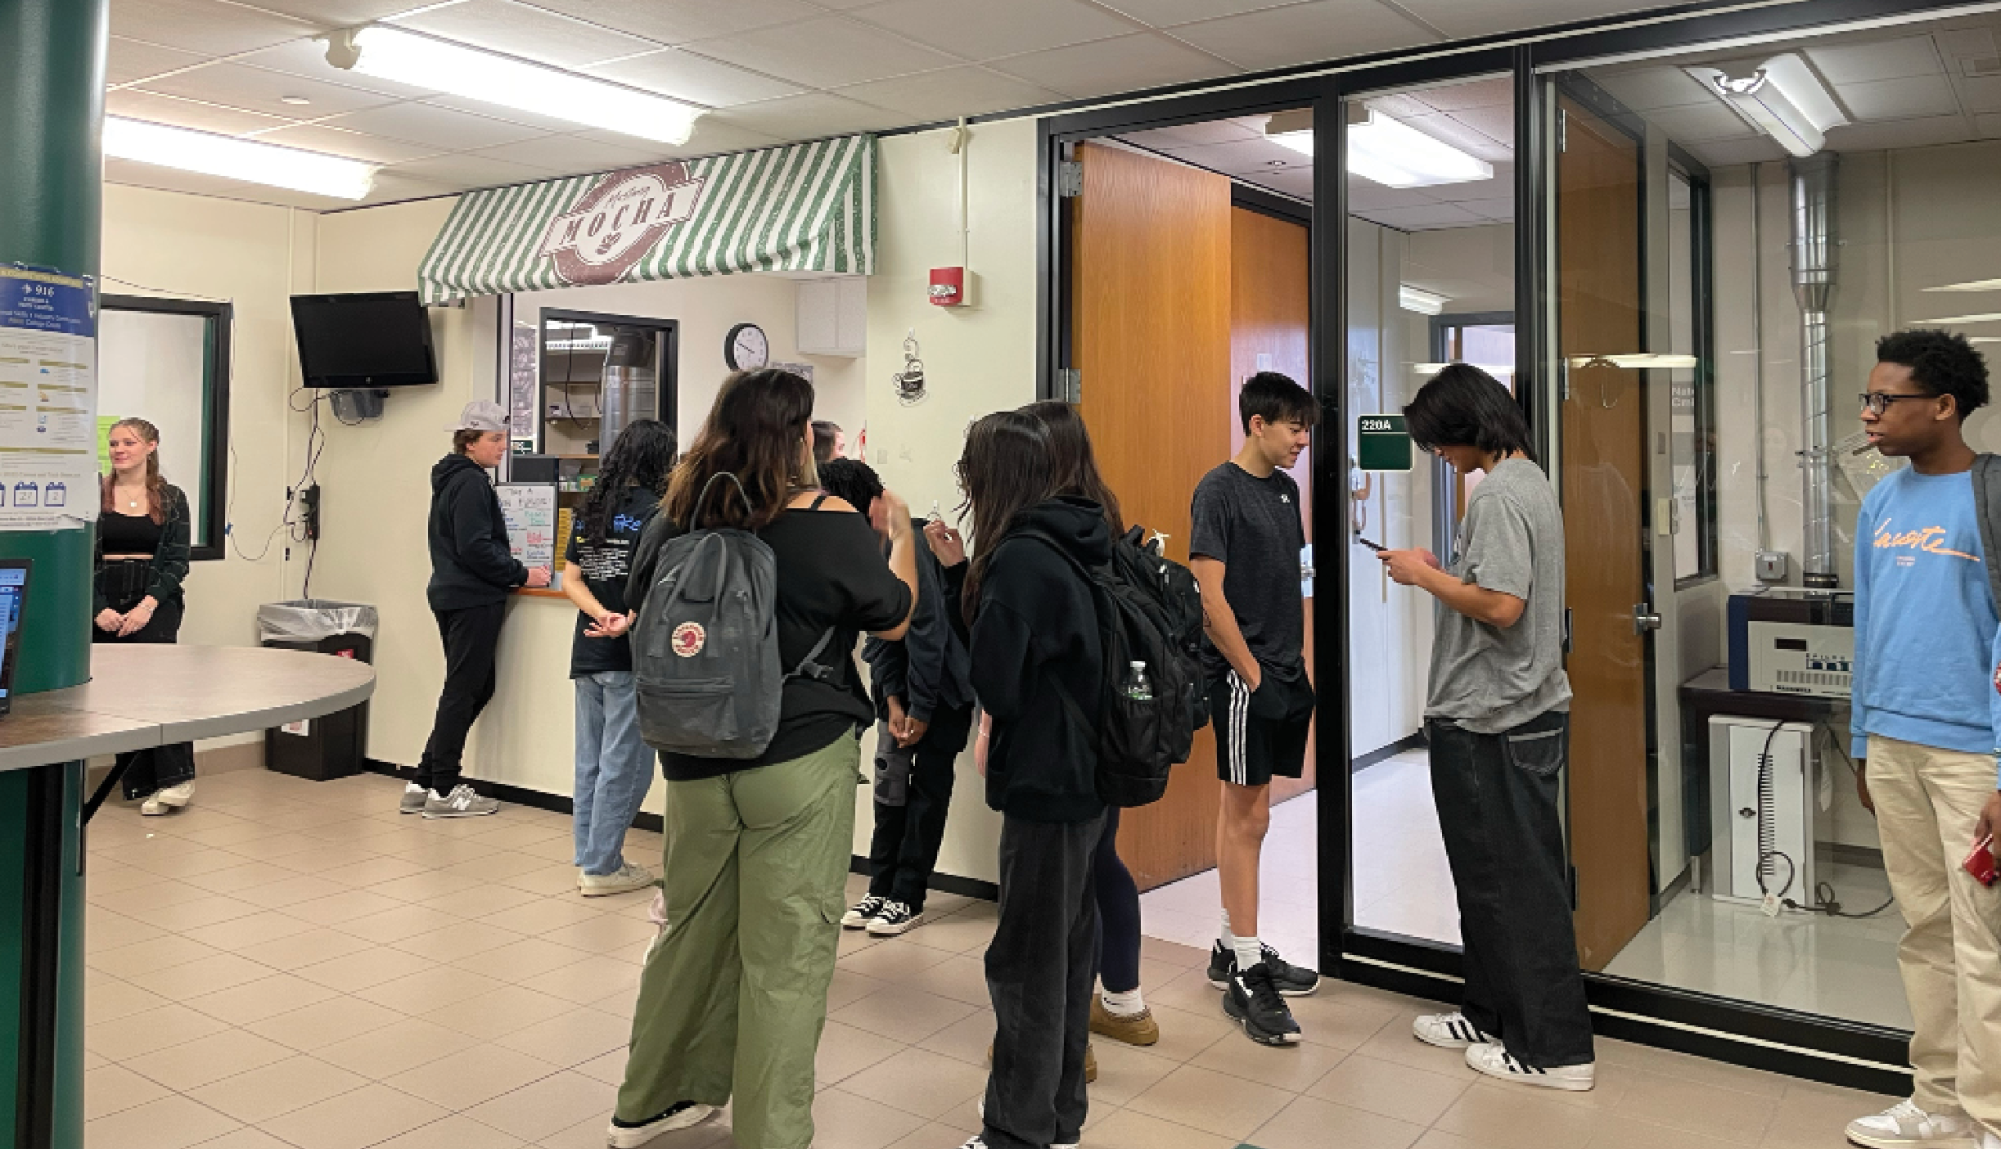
(1496, 1061)
(1449, 1031)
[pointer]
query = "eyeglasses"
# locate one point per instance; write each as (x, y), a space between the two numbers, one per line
(1877, 402)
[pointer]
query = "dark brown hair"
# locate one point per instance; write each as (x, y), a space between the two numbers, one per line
(1005, 469)
(1076, 465)
(464, 438)
(156, 487)
(756, 432)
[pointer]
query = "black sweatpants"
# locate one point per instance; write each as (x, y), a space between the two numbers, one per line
(1496, 796)
(904, 849)
(149, 771)
(1118, 912)
(470, 635)
(1039, 973)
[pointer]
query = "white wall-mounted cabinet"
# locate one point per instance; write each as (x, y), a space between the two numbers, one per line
(833, 316)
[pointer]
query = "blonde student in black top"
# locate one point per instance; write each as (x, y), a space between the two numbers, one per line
(142, 558)
(734, 995)
(614, 766)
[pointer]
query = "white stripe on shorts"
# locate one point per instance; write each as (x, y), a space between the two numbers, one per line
(1240, 710)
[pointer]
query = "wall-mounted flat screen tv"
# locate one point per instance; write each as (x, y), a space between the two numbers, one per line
(363, 340)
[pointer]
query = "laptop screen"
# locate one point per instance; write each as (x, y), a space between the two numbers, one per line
(13, 597)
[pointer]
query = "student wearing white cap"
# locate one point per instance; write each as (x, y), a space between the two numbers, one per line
(472, 573)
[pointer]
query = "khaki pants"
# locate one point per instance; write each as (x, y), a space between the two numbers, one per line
(734, 997)
(1926, 803)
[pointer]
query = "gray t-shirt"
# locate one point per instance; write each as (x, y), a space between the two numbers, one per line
(1485, 678)
(1253, 527)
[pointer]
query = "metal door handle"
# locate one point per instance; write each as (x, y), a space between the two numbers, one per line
(1645, 619)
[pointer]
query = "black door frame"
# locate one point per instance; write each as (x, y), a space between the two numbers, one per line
(1748, 1033)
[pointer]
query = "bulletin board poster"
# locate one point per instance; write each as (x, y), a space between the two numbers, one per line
(48, 400)
(530, 511)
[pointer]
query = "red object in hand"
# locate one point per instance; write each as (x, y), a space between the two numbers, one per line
(1980, 863)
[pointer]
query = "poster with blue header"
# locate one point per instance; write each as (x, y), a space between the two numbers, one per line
(48, 400)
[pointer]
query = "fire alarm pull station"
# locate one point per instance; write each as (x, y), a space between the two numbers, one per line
(948, 286)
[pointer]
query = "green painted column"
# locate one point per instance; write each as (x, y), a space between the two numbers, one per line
(52, 55)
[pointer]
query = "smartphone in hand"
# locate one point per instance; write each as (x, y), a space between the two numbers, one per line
(1380, 548)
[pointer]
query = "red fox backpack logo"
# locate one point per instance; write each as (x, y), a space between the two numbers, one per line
(619, 220)
(688, 639)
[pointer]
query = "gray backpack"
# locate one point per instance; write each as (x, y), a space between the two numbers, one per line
(705, 649)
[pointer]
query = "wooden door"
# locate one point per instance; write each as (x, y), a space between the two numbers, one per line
(1150, 324)
(1604, 486)
(1270, 316)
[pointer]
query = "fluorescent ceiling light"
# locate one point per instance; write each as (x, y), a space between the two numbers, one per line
(1781, 97)
(1970, 285)
(236, 159)
(1391, 153)
(443, 66)
(1983, 317)
(1636, 361)
(1416, 299)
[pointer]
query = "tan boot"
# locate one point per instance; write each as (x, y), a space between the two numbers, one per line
(1139, 1030)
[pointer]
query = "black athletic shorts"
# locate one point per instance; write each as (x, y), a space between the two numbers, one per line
(1261, 734)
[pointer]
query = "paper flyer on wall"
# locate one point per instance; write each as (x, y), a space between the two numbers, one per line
(530, 512)
(48, 400)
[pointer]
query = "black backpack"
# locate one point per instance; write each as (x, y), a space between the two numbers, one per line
(1177, 602)
(1138, 739)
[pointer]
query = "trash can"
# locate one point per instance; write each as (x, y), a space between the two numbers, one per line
(334, 745)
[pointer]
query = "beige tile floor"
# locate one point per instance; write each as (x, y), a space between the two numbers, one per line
(290, 965)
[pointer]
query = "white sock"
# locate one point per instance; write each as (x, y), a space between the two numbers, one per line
(1224, 936)
(1248, 953)
(1127, 1004)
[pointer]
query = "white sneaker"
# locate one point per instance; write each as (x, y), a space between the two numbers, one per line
(684, 1115)
(462, 802)
(152, 807)
(176, 796)
(1496, 1061)
(413, 799)
(1905, 1126)
(623, 880)
(1449, 1031)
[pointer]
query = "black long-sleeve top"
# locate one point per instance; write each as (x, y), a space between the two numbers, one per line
(169, 542)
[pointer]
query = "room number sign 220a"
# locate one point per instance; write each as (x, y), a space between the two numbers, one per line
(1381, 443)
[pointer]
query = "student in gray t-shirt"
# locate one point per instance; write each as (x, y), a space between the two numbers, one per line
(1497, 722)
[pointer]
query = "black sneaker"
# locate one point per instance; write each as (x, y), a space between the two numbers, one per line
(1253, 1001)
(680, 1115)
(1287, 979)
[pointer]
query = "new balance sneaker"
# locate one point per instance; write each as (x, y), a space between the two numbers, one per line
(1289, 980)
(1139, 1029)
(1905, 1126)
(1496, 1061)
(1254, 1002)
(152, 807)
(462, 802)
(623, 880)
(176, 796)
(862, 913)
(413, 799)
(1449, 1031)
(680, 1115)
(895, 918)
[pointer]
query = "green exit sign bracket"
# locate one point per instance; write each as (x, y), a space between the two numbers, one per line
(1381, 443)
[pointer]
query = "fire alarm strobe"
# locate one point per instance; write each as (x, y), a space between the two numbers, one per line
(948, 286)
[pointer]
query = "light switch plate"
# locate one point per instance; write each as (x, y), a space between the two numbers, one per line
(1773, 566)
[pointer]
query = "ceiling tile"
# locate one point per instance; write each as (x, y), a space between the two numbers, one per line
(1958, 43)
(505, 115)
(471, 171)
(1462, 18)
(516, 30)
(983, 30)
(1125, 64)
(158, 109)
(132, 60)
(1749, 150)
(1989, 126)
(1502, 184)
(951, 92)
(1165, 13)
(1697, 123)
(1453, 129)
(1650, 88)
(1902, 99)
(1193, 135)
(686, 76)
(712, 137)
(1303, 33)
(682, 21)
(430, 124)
(1495, 209)
(827, 53)
(206, 26)
(340, 13)
(1881, 60)
(1913, 133)
(1241, 156)
(1425, 216)
(308, 58)
(354, 145)
(258, 90)
(569, 154)
(807, 117)
(1980, 93)
(1493, 92)
(1368, 195)
(1295, 182)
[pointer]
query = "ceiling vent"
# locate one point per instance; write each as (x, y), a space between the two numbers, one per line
(1981, 66)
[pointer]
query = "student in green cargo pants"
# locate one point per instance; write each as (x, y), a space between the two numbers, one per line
(734, 995)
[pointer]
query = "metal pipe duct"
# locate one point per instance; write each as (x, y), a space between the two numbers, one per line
(1813, 270)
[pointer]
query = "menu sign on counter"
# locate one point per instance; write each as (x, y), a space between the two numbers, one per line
(530, 511)
(48, 400)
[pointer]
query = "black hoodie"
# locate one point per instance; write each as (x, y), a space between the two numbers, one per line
(1037, 626)
(470, 562)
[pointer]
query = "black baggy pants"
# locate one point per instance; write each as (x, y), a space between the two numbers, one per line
(904, 848)
(146, 772)
(471, 635)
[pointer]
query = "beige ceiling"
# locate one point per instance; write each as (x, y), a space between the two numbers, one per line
(771, 70)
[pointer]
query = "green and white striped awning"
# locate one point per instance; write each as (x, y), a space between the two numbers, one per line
(807, 207)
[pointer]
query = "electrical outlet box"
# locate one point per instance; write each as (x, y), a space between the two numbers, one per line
(1773, 566)
(309, 510)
